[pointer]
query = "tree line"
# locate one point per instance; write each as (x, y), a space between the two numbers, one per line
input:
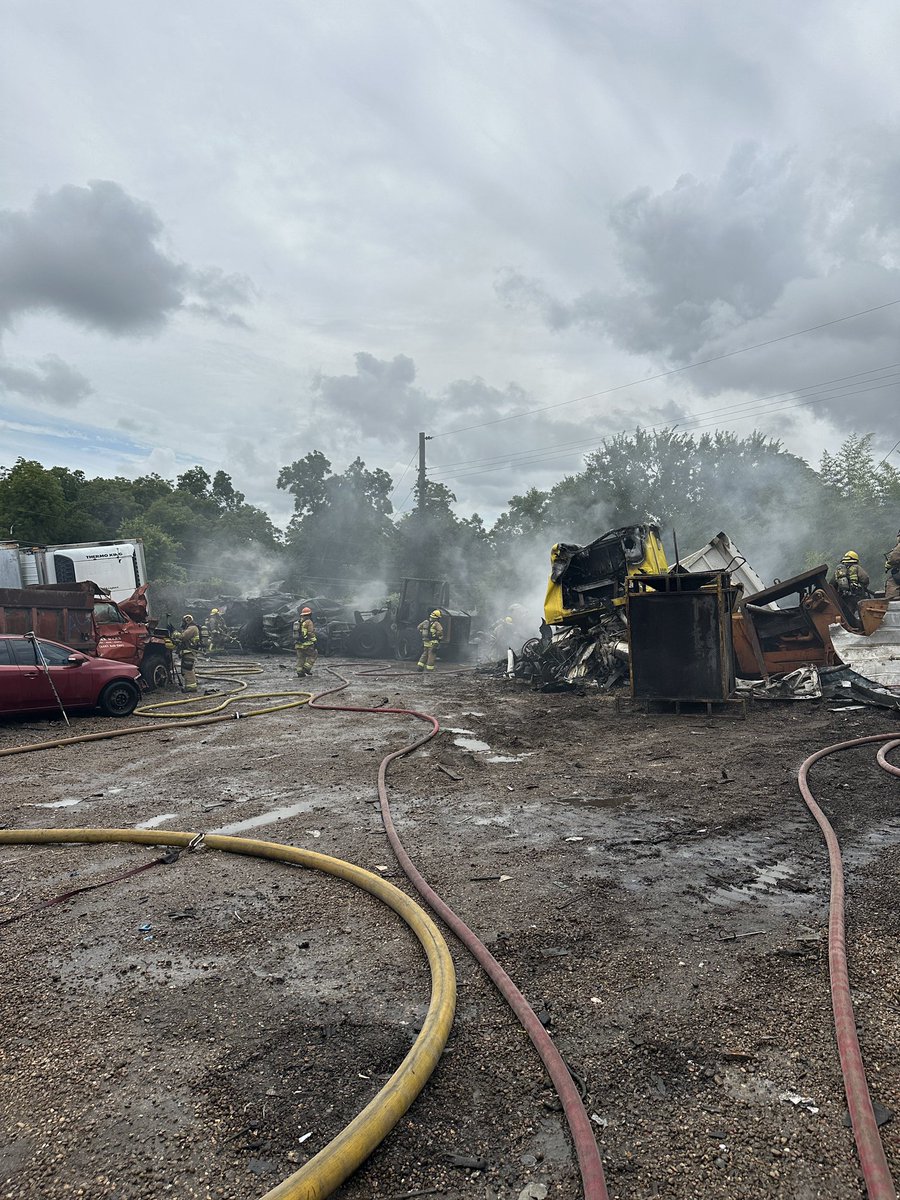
(199, 531)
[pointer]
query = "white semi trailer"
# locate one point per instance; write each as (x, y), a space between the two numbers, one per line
(117, 567)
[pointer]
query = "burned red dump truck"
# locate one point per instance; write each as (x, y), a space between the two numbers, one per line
(83, 616)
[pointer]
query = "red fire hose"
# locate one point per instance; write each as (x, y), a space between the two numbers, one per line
(872, 1158)
(591, 1168)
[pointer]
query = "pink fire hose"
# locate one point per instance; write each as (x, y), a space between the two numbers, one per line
(872, 1158)
(593, 1182)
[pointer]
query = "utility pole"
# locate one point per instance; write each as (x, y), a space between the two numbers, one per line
(421, 483)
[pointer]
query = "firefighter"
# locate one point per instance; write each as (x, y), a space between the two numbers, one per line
(503, 634)
(187, 640)
(892, 573)
(217, 630)
(305, 645)
(849, 578)
(432, 632)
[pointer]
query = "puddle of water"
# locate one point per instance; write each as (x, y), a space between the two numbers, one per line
(766, 878)
(451, 729)
(505, 757)
(58, 804)
(471, 743)
(266, 818)
(154, 822)
(590, 801)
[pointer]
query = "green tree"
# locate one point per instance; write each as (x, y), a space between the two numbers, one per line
(196, 482)
(341, 528)
(305, 480)
(224, 494)
(525, 516)
(32, 503)
(860, 506)
(163, 553)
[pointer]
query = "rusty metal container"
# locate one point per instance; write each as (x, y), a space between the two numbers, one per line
(680, 638)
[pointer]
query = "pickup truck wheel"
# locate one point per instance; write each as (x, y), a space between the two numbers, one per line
(119, 699)
(154, 671)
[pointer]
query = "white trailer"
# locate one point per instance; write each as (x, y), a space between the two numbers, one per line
(117, 567)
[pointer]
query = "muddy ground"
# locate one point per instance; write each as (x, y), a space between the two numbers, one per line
(202, 1028)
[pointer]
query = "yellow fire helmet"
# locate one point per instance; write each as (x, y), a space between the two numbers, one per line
(435, 614)
(213, 612)
(851, 556)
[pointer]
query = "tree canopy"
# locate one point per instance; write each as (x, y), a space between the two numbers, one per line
(784, 514)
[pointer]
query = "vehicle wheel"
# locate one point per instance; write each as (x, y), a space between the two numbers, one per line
(119, 699)
(409, 644)
(154, 671)
(368, 641)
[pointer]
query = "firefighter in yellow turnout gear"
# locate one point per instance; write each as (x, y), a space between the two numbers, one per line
(849, 578)
(305, 644)
(432, 632)
(187, 642)
(217, 629)
(892, 573)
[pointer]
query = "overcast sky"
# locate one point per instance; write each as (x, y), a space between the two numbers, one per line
(231, 233)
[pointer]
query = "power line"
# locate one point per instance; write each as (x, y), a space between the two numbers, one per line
(702, 362)
(721, 412)
(405, 473)
(540, 456)
(399, 509)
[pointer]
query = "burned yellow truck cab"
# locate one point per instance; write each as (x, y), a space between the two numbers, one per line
(585, 580)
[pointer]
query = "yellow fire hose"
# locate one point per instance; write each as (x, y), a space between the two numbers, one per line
(328, 1169)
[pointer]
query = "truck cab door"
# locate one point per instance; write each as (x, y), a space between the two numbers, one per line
(111, 625)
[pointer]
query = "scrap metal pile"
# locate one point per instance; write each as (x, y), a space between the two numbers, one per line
(390, 629)
(799, 639)
(584, 635)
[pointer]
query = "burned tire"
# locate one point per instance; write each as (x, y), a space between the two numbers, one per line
(154, 671)
(119, 699)
(368, 641)
(409, 644)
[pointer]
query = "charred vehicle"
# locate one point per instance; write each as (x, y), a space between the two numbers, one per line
(87, 619)
(393, 630)
(590, 582)
(584, 635)
(773, 640)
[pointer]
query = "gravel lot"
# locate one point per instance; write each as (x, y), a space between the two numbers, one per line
(183, 1031)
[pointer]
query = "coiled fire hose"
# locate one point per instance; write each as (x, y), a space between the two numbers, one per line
(590, 1166)
(879, 1185)
(338, 1160)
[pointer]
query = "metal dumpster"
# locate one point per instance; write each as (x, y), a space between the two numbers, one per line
(679, 636)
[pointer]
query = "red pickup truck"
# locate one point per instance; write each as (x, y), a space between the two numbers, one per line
(83, 616)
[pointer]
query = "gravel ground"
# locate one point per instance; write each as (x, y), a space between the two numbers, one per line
(204, 1027)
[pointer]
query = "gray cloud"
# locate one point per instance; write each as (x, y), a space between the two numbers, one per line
(94, 255)
(50, 379)
(381, 399)
(776, 242)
